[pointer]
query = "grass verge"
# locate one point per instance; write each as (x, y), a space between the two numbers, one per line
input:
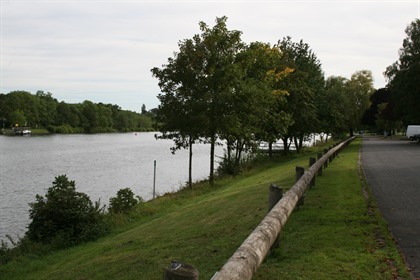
(335, 235)
(338, 234)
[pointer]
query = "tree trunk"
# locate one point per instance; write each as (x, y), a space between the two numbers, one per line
(212, 144)
(270, 149)
(239, 149)
(295, 140)
(301, 142)
(229, 150)
(285, 145)
(190, 163)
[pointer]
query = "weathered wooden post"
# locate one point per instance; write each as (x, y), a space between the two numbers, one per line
(312, 161)
(325, 162)
(320, 168)
(299, 173)
(154, 180)
(180, 271)
(330, 159)
(274, 196)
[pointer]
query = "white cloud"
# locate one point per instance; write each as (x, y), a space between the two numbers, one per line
(103, 50)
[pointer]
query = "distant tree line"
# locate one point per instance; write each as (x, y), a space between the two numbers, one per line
(41, 110)
(216, 88)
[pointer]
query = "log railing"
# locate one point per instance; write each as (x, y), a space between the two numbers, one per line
(248, 257)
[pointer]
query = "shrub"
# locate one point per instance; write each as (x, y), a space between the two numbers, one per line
(228, 167)
(65, 217)
(123, 202)
(232, 167)
(15, 248)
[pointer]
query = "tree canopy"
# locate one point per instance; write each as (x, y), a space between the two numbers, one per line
(196, 84)
(304, 85)
(216, 87)
(404, 77)
(359, 89)
(41, 110)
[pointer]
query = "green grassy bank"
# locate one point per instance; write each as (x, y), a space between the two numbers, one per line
(337, 234)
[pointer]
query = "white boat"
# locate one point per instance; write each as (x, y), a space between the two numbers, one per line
(23, 131)
(26, 132)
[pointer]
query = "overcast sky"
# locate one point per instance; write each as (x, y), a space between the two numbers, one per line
(103, 50)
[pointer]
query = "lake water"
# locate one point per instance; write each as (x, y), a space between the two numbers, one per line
(100, 164)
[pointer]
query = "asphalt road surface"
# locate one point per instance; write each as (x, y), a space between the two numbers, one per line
(392, 169)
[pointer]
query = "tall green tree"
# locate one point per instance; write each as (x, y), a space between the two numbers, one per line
(378, 99)
(17, 118)
(266, 119)
(26, 103)
(143, 109)
(181, 115)
(303, 86)
(47, 108)
(89, 117)
(197, 81)
(404, 76)
(359, 89)
(332, 106)
(220, 47)
(68, 114)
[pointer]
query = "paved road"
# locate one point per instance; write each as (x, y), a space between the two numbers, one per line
(392, 169)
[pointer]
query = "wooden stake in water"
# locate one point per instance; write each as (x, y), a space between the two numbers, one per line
(154, 180)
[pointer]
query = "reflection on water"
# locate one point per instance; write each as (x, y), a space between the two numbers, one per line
(100, 164)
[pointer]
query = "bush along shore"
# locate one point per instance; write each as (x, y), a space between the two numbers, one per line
(337, 234)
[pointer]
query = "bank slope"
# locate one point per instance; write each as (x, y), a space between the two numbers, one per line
(204, 228)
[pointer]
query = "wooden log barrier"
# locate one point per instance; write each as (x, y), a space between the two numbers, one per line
(299, 173)
(326, 161)
(248, 257)
(312, 161)
(332, 155)
(320, 168)
(274, 196)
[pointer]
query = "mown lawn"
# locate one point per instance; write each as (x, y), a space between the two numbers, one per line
(335, 235)
(338, 234)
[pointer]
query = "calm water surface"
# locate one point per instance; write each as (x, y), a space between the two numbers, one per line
(100, 164)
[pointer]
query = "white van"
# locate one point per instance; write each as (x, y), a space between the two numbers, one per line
(413, 132)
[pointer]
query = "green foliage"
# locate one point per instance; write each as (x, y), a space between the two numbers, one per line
(43, 111)
(124, 202)
(17, 248)
(332, 106)
(360, 88)
(65, 217)
(17, 118)
(64, 129)
(404, 75)
(304, 85)
(196, 84)
(344, 102)
(229, 166)
(216, 87)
